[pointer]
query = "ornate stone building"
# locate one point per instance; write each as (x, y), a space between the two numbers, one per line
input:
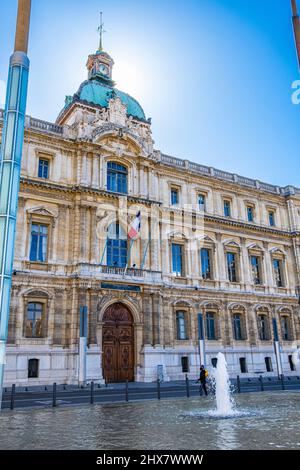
(210, 242)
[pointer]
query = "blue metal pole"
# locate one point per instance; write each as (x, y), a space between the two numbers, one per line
(10, 165)
(277, 347)
(201, 341)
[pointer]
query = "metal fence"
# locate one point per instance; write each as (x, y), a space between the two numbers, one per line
(95, 393)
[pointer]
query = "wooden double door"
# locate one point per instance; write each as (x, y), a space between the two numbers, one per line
(118, 344)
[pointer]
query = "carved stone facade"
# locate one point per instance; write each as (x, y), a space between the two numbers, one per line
(75, 206)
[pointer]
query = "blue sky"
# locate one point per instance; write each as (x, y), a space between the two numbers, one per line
(214, 75)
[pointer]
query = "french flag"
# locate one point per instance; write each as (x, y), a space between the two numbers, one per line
(135, 226)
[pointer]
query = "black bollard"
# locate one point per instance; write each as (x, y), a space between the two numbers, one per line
(54, 395)
(12, 398)
(105, 383)
(282, 382)
(187, 386)
(261, 383)
(158, 389)
(92, 393)
(238, 383)
(126, 391)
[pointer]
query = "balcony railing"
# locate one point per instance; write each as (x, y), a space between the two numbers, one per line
(122, 271)
(117, 273)
(44, 126)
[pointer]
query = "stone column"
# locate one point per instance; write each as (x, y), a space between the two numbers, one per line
(227, 325)
(235, 209)
(68, 237)
(72, 324)
(58, 314)
(53, 242)
(215, 262)
(286, 264)
(145, 242)
(167, 323)
(94, 255)
(20, 320)
(296, 258)
(244, 265)
(221, 260)
(83, 169)
(142, 186)
(62, 241)
(78, 169)
(155, 244)
(83, 233)
(153, 190)
(76, 230)
(92, 316)
(95, 171)
(292, 211)
(103, 173)
(194, 262)
(14, 306)
(268, 268)
(147, 320)
(20, 241)
(157, 324)
(252, 325)
(50, 317)
(218, 210)
(67, 308)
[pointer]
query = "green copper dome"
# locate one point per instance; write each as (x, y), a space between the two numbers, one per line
(95, 92)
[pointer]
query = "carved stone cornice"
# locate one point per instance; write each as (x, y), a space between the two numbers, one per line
(244, 225)
(85, 189)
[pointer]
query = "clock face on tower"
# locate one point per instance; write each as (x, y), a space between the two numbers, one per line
(103, 69)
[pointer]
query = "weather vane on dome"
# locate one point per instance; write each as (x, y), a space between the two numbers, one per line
(100, 30)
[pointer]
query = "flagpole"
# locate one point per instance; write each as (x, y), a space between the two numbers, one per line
(128, 255)
(104, 250)
(145, 253)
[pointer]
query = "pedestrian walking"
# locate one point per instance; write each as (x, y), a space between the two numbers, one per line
(202, 380)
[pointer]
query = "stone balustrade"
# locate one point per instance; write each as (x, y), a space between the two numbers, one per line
(52, 128)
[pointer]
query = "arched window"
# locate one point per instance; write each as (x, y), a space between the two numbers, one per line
(34, 320)
(116, 177)
(116, 245)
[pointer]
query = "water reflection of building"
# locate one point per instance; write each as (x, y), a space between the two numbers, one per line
(211, 242)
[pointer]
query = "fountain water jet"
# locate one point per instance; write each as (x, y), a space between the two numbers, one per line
(224, 401)
(226, 407)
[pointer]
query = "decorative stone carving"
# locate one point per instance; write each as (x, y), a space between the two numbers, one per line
(117, 111)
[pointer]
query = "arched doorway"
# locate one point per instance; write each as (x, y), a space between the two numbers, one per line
(118, 344)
